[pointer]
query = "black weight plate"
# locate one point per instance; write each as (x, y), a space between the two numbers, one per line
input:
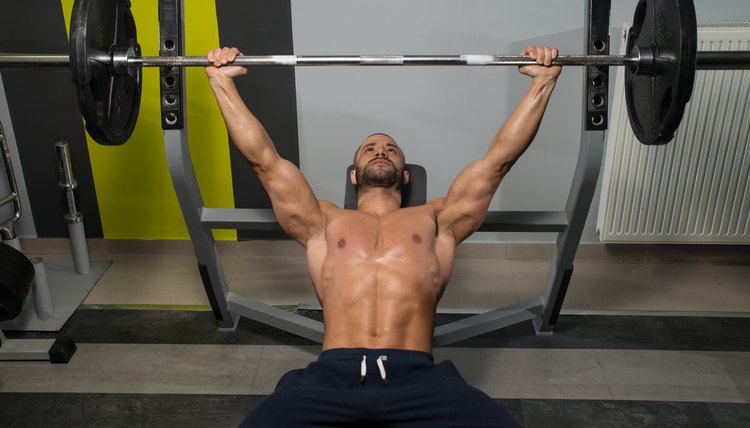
(10, 306)
(16, 264)
(16, 276)
(109, 101)
(12, 288)
(656, 101)
(16, 261)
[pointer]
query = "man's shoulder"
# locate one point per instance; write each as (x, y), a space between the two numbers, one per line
(437, 204)
(327, 205)
(331, 210)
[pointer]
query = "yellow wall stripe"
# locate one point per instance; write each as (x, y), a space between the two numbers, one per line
(133, 186)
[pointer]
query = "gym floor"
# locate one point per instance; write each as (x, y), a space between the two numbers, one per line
(650, 336)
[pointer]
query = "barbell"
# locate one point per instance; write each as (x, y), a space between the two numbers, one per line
(105, 61)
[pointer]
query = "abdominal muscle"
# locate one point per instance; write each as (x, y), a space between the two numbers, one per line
(373, 305)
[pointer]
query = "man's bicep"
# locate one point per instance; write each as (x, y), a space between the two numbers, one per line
(468, 199)
(462, 218)
(294, 203)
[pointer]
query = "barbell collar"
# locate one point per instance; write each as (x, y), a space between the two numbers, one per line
(644, 65)
(120, 61)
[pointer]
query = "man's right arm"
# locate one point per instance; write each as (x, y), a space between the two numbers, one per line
(469, 196)
(294, 203)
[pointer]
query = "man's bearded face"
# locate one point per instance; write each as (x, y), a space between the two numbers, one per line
(379, 162)
(377, 173)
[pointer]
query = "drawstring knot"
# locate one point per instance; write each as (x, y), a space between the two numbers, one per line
(381, 369)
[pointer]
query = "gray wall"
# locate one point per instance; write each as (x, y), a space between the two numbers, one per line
(445, 117)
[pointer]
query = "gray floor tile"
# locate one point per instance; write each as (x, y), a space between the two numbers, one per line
(611, 252)
(729, 415)
(529, 278)
(677, 375)
(153, 280)
(531, 251)
(698, 253)
(21, 410)
(277, 360)
(201, 410)
(52, 246)
(76, 410)
(596, 286)
(614, 286)
(273, 280)
(476, 284)
(136, 247)
(482, 251)
(530, 373)
(116, 368)
(281, 248)
(614, 414)
(704, 286)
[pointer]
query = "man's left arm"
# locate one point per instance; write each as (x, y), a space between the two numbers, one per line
(468, 199)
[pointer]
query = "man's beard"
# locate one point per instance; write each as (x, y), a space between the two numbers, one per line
(376, 177)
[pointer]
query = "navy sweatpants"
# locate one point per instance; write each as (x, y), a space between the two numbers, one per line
(404, 389)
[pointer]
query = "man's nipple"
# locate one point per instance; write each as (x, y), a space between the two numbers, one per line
(341, 243)
(416, 239)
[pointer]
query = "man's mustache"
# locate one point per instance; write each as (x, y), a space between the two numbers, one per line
(379, 159)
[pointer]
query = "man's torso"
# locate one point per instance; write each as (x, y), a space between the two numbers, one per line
(379, 278)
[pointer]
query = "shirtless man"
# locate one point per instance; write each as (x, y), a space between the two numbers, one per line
(380, 271)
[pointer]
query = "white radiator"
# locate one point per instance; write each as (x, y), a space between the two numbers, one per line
(695, 189)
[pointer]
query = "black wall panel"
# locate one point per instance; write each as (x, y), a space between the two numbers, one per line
(262, 27)
(44, 110)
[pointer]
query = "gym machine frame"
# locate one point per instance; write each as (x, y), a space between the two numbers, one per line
(543, 310)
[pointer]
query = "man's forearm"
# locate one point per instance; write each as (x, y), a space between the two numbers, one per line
(521, 127)
(247, 133)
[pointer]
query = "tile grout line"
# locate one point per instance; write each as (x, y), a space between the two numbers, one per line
(599, 361)
(515, 284)
(234, 269)
(257, 367)
(655, 282)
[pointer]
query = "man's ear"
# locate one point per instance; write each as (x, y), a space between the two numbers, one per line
(406, 178)
(353, 176)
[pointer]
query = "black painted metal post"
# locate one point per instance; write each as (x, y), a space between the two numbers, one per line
(170, 45)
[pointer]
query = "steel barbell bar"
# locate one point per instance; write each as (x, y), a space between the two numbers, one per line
(106, 64)
(706, 60)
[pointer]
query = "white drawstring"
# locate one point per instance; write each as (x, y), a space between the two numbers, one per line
(381, 368)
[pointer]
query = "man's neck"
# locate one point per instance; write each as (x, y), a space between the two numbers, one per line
(378, 200)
